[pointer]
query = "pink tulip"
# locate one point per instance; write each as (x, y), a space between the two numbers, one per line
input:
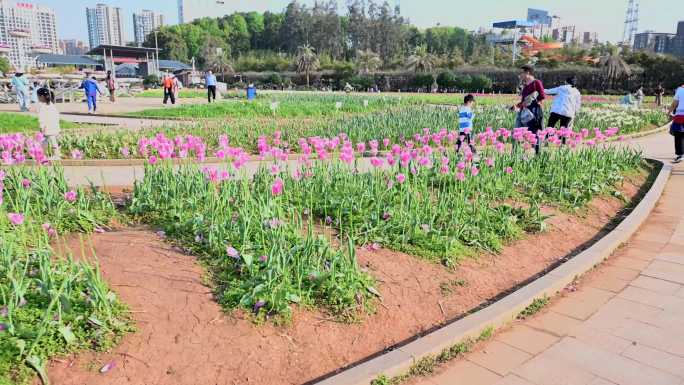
(401, 178)
(509, 170)
(232, 252)
(474, 171)
(26, 183)
(460, 176)
(70, 196)
(277, 187)
(15, 218)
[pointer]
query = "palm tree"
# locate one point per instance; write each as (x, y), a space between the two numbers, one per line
(307, 61)
(614, 66)
(220, 63)
(421, 60)
(368, 61)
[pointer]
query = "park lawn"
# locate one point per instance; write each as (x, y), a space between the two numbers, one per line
(189, 93)
(11, 122)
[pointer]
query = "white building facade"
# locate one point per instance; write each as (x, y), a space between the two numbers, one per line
(144, 23)
(105, 25)
(26, 30)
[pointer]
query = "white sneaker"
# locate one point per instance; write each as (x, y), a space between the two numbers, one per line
(678, 159)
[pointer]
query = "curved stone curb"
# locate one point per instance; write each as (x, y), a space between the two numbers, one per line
(504, 311)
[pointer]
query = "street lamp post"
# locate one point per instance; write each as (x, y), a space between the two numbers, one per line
(156, 51)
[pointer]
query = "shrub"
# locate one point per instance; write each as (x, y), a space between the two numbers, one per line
(463, 82)
(481, 82)
(423, 80)
(446, 80)
(151, 81)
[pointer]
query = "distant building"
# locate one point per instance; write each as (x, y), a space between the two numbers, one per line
(105, 25)
(189, 10)
(654, 42)
(665, 43)
(26, 30)
(145, 23)
(73, 47)
(539, 17)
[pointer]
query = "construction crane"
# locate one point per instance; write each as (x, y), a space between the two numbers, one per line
(631, 23)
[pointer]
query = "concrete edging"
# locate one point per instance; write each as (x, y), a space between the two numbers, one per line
(504, 311)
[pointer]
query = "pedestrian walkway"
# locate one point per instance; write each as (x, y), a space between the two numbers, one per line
(624, 325)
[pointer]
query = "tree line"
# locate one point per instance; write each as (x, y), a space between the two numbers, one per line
(270, 40)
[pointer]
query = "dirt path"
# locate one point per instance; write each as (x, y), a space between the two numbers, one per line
(184, 338)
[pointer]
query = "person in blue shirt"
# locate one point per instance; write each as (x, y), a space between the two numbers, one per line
(91, 89)
(465, 122)
(211, 86)
(21, 87)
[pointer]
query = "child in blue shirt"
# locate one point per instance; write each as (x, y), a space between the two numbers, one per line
(465, 122)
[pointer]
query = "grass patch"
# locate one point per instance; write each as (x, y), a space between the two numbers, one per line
(427, 365)
(11, 122)
(534, 307)
(450, 286)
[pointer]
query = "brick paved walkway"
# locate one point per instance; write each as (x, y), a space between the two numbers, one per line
(623, 326)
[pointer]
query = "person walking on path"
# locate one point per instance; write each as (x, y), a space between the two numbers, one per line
(111, 86)
(210, 80)
(91, 89)
(21, 87)
(530, 112)
(659, 92)
(566, 104)
(170, 88)
(677, 129)
(48, 120)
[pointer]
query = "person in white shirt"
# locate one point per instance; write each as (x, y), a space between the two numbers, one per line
(566, 104)
(676, 111)
(48, 119)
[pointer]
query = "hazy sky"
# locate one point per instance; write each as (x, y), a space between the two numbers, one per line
(603, 16)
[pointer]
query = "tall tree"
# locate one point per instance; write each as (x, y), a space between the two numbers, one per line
(307, 61)
(421, 60)
(368, 62)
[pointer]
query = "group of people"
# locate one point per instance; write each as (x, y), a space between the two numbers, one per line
(566, 104)
(529, 111)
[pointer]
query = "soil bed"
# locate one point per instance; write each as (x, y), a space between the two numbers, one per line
(184, 337)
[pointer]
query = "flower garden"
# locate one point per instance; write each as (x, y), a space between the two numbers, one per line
(336, 176)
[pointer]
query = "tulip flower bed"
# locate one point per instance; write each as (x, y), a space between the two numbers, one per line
(245, 132)
(49, 304)
(274, 241)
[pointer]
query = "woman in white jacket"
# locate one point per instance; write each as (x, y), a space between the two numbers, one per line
(566, 104)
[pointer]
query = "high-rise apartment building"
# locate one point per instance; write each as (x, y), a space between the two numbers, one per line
(73, 47)
(189, 10)
(145, 23)
(26, 30)
(666, 43)
(105, 25)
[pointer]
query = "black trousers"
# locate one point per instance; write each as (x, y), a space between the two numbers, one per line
(168, 94)
(211, 93)
(554, 118)
(466, 139)
(679, 143)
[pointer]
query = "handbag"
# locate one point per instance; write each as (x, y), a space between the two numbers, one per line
(526, 116)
